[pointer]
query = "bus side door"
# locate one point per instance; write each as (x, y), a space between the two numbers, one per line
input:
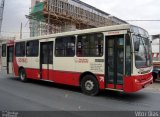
(10, 51)
(115, 61)
(46, 60)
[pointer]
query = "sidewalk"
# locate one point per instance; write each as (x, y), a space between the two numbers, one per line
(155, 87)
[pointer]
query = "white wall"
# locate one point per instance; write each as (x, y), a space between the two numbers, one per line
(34, 1)
(155, 46)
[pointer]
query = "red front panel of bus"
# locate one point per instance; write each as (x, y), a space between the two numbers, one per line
(135, 83)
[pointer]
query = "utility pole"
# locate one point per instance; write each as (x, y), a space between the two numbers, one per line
(1, 13)
(48, 28)
(21, 32)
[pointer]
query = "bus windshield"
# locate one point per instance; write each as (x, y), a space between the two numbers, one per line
(143, 53)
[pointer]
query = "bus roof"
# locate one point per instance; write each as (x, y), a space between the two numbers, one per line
(92, 30)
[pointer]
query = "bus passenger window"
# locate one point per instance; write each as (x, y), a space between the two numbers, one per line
(90, 45)
(32, 48)
(20, 49)
(65, 46)
(4, 50)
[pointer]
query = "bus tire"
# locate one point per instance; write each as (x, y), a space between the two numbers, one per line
(89, 85)
(22, 75)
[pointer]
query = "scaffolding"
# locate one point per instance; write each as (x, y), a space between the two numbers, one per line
(54, 16)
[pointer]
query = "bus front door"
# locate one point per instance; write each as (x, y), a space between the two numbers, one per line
(115, 55)
(10, 51)
(46, 60)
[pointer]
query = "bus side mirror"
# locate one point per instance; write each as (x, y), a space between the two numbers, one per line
(136, 45)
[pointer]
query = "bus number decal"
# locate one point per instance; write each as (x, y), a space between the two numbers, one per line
(81, 61)
(22, 60)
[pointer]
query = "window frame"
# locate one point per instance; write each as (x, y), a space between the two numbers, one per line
(57, 38)
(88, 34)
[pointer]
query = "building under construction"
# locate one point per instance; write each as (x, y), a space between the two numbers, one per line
(54, 16)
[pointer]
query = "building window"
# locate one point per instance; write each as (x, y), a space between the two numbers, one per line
(4, 50)
(32, 48)
(20, 49)
(90, 45)
(65, 46)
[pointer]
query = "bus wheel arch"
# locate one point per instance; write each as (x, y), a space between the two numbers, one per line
(89, 84)
(22, 74)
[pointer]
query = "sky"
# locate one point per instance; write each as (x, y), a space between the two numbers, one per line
(15, 11)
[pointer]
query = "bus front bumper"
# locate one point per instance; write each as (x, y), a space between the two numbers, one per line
(136, 83)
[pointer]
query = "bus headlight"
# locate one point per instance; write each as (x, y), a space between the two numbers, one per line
(136, 81)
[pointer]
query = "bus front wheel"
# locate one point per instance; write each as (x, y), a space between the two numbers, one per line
(89, 85)
(22, 75)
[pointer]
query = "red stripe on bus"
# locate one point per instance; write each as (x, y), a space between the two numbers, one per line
(61, 77)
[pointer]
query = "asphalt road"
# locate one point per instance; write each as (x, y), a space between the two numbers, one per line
(43, 96)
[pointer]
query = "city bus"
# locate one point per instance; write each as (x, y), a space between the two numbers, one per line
(115, 58)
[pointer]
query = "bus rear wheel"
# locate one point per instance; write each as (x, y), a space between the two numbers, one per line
(22, 75)
(89, 85)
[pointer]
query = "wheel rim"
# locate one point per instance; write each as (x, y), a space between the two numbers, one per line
(89, 85)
